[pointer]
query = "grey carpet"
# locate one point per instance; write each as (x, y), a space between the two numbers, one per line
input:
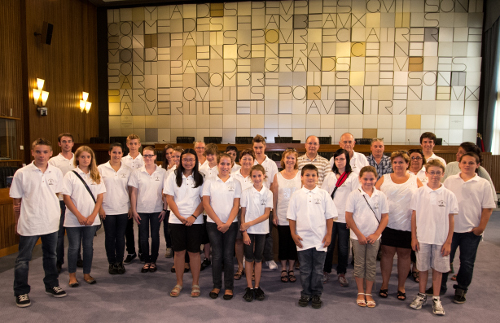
(144, 297)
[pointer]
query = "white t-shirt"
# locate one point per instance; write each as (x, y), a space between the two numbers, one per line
(222, 195)
(207, 171)
(116, 200)
(187, 197)
(286, 187)
(310, 210)
(357, 162)
(473, 196)
(74, 188)
(134, 163)
(399, 198)
(271, 170)
(40, 210)
(433, 208)
(434, 156)
(255, 204)
(341, 194)
(366, 220)
(149, 189)
(65, 165)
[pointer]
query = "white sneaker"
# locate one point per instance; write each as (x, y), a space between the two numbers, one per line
(419, 301)
(169, 253)
(272, 264)
(437, 307)
(343, 281)
(325, 278)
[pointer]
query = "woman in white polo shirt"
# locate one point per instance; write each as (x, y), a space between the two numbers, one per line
(115, 207)
(148, 207)
(83, 190)
(221, 200)
(183, 190)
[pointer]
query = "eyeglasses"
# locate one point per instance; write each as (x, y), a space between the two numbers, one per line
(148, 156)
(416, 158)
(435, 173)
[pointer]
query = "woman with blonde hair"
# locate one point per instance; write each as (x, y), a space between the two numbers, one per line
(83, 191)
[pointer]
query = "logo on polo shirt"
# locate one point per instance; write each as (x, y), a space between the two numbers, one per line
(263, 201)
(375, 205)
(51, 181)
(317, 200)
(230, 187)
(441, 203)
(157, 178)
(123, 176)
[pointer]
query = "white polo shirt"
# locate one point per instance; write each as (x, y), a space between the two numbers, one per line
(207, 171)
(434, 156)
(200, 164)
(74, 188)
(357, 162)
(310, 210)
(187, 197)
(222, 195)
(40, 210)
(116, 200)
(255, 204)
(421, 175)
(341, 194)
(149, 189)
(235, 168)
(433, 208)
(245, 182)
(65, 165)
(134, 163)
(473, 196)
(366, 220)
(271, 170)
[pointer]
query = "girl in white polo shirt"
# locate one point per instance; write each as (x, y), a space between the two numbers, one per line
(147, 205)
(115, 207)
(367, 216)
(83, 190)
(256, 204)
(221, 200)
(183, 190)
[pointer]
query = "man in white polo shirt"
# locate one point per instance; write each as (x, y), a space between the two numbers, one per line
(199, 147)
(427, 142)
(36, 207)
(259, 149)
(357, 160)
(311, 157)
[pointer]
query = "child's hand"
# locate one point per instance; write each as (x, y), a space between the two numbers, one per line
(445, 250)
(297, 239)
(362, 239)
(246, 239)
(275, 220)
(137, 218)
(372, 238)
(327, 240)
(414, 245)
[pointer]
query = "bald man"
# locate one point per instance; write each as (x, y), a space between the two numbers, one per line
(357, 160)
(311, 157)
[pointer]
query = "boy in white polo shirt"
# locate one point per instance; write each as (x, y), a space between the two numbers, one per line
(476, 203)
(311, 213)
(432, 223)
(36, 206)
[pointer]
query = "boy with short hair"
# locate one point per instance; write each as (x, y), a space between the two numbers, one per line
(209, 168)
(432, 222)
(427, 142)
(311, 213)
(36, 207)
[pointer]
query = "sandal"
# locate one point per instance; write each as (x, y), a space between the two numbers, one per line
(238, 274)
(153, 268)
(228, 294)
(291, 276)
(176, 291)
(361, 302)
(195, 291)
(383, 293)
(145, 268)
(370, 304)
(416, 276)
(213, 294)
(284, 276)
(401, 295)
(454, 278)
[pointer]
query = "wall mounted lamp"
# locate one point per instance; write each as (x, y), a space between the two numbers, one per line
(84, 104)
(40, 95)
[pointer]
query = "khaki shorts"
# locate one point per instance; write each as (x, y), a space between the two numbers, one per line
(429, 256)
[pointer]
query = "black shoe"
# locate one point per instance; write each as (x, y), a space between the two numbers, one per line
(316, 302)
(79, 263)
(205, 264)
(459, 296)
(248, 294)
(430, 291)
(112, 269)
(228, 297)
(120, 269)
(259, 294)
(23, 300)
(56, 291)
(59, 267)
(129, 258)
(213, 295)
(303, 301)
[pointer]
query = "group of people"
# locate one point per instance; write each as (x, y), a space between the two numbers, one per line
(397, 204)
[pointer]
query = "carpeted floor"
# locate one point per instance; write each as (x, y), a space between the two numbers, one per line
(137, 297)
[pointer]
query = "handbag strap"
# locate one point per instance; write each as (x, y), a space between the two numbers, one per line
(374, 214)
(339, 183)
(85, 184)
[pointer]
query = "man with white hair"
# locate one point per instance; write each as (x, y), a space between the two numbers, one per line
(377, 159)
(357, 160)
(311, 157)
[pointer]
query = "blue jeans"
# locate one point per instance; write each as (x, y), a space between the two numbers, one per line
(222, 251)
(147, 220)
(341, 230)
(311, 271)
(60, 235)
(468, 243)
(114, 236)
(166, 232)
(21, 270)
(81, 236)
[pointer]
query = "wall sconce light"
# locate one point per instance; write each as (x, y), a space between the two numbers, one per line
(84, 105)
(40, 94)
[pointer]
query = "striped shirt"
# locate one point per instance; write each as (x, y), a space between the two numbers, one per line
(385, 166)
(321, 163)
